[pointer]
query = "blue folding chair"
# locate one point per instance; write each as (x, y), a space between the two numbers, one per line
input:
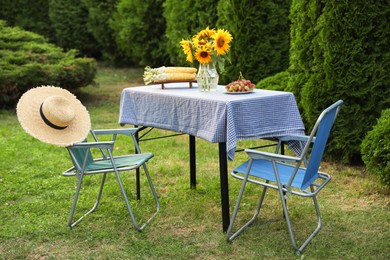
(289, 175)
(85, 164)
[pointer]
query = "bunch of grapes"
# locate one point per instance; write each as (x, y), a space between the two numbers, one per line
(240, 85)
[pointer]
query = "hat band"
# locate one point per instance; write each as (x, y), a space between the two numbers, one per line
(48, 122)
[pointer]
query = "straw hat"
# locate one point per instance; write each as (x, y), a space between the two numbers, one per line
(53, 115)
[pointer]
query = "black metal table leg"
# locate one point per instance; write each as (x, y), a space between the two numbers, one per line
(284, 193)
(223, 174)
(192, 161)
(137, 173)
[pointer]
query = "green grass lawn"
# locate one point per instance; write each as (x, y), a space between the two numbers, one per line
(35, 200)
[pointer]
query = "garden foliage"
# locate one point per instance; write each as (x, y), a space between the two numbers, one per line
(69, 20)
(260, 47)
(98, 23)
(276, 82)
(185, 18)
(376, 148)
(303, 15)
(30, 15)
(341, 50)
(139, 27)
(27, 60)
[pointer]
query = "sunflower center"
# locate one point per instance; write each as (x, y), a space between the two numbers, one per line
(204, 54)
(221, 42)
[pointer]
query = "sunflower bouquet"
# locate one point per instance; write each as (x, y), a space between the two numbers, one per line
(208, 46)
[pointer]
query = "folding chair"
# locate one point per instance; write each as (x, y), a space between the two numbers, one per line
(85, 164)
(290, 175)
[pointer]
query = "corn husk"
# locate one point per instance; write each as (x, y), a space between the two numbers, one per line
(169, 74)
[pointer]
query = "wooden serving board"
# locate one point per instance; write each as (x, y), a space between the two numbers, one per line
(167, 82)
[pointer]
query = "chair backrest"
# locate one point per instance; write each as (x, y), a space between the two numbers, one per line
(321, 131)
(78, 156)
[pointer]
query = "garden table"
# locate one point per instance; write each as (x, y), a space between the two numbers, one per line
(217, 117)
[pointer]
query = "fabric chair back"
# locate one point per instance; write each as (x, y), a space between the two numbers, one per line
(321, 132)
(78, 156)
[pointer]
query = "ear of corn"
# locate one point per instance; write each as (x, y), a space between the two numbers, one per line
(180, 70)
(175, 77)
(169, 74)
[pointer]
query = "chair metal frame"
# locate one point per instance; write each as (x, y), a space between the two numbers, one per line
(107, 163)
(288, 174)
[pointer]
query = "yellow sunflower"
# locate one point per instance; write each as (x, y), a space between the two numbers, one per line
(203, 54)
(198, 42)
(206, 33)
(189, 57)
(222, 39)
(186, 45)
(208, 45)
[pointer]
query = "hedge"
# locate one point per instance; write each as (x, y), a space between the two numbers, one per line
(341, 50)
(278, 82)
(260, 47)
(69, 20)
(185, 18)
(139, 28)
(98, 23)
(304, 18)
(27, 60)
(375, 148)
(30, 15)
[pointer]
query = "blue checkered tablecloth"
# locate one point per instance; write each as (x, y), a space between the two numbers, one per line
(213, 116)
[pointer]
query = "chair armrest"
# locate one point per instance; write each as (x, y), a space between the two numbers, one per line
(123, 131)
(302, 138)
(101, 145)
(255, 154)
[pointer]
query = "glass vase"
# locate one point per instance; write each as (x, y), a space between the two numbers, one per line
(207, 77)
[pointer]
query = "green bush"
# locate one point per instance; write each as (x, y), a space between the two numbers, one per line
(99, 15)
(303, 16)
(375, 148)
(30, 15)
(278, 81)
(260, 29)
(185, 18)
(64, 22)
(341, 50)
(139, 28)
(27, 60)
(69, 20)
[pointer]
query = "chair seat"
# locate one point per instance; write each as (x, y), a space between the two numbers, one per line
(263, 169)
(131, 161)
(127, 162)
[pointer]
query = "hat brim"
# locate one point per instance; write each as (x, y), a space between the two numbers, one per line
(30, 119)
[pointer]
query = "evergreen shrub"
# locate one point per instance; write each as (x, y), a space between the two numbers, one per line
(375, 148)
(139, 31)
(260, 29)
(27, 60)
(348, 57)
(278, 82)
(30, 15)
(185, 18)
(303, 16)
(69, 19)
(98, 23)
